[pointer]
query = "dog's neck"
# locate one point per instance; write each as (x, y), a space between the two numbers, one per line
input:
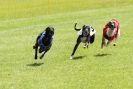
(110, 32)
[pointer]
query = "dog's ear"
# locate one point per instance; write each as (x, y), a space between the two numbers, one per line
(47, 29)
(52, 30)
(84, 26)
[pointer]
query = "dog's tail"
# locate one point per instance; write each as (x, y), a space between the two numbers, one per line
(77, 29)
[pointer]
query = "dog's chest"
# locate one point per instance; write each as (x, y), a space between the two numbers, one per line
(83, 39)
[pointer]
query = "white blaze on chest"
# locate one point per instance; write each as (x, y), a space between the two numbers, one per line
(111, 32)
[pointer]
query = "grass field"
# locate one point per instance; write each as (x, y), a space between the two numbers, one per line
(22, 20)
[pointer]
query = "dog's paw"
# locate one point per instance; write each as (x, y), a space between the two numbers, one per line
(41, 57)
(35, 57)
(84, 46)
(71, 57)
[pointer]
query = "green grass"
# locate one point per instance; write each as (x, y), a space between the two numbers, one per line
(20, 23)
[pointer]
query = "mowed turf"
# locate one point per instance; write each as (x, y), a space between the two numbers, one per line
(92, 68)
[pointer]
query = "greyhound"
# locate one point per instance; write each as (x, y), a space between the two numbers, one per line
(44, 41)
(111, 32)
(86, 35)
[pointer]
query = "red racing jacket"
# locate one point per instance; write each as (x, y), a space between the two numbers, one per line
(115, 32)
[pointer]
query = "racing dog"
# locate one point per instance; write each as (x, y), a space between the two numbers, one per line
(44, 41)
(86, 35)
(111, 32)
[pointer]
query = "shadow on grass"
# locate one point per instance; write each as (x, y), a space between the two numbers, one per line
(35, 64)
(78, 57)
(102, 54)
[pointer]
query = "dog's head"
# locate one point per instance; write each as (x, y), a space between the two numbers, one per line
(111, 25)
(85, 30)
(49, 31)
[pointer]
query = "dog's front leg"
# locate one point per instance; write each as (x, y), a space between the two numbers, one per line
(108, 42)
(76, 46)
(88, 41)
(103, 42)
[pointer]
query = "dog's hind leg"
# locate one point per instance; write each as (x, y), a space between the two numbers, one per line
(44, 53)
(36, 49)
(36, 45)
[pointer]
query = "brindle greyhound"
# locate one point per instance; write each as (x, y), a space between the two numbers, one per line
(86, 35)
(44, 41)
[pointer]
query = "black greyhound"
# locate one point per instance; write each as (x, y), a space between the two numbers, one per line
(44, 41)
(86, 35)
